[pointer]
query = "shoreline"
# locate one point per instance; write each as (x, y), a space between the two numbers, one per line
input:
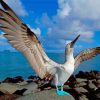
(34, 75)
(84, 85)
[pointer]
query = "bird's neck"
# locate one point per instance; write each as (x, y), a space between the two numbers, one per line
(69, 56)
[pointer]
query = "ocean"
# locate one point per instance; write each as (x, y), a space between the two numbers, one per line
(14, 64)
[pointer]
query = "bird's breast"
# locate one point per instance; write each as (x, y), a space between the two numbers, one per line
(69, 66)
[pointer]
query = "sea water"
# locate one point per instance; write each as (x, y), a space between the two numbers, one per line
(15, 64)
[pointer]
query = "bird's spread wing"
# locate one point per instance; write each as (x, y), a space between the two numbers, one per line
(85, 55)
(23, 39)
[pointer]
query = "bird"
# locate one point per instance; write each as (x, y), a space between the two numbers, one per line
(21, 37)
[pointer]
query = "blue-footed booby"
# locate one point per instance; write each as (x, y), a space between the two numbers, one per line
(23, 39)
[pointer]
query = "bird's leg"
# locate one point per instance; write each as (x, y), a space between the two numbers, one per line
(61, 87)
(57, 88)
(64, 92)
(61, 92)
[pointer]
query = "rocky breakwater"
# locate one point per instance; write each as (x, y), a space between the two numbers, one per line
(83, 86)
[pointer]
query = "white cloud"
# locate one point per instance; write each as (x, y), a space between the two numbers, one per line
(64, 8)
(62, 30)
(78, 46)
(37, 31)
(2, 35)
(17, 6)
(73, 17)
(86, 9)
(3, 41)
(67, 29)
(68, 41)
(86, 36)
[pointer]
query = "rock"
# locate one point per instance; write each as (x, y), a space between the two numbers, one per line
(88, 75)
(1, 93)
(98, 76)
(91, 85)
(92, 74)
(83, 86)
(72, 79)
(81, 90)
(8, 87)
(13, 80)
(20, 92)
(8, 97)
(73, 92)
(71, 84)
(31, 77)
(45, 95)
(81, 80)
(34, 78)
(94, 95)
(29, 81)
(81, 74)
(18, 79)
(45, 85)
(14, 88)
(8, 80)
(80, 84)
(83, 97)
(97, 94)
(95, 71)
(98, 83)
(23, 83)
(31, 88)
(66, 87)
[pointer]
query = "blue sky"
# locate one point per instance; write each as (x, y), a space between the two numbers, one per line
(57, 22)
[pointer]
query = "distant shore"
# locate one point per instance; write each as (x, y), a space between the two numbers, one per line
(82, 86)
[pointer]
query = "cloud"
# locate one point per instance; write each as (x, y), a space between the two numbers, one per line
(17, 6)
(65, 26)
(37, 31)
(2, 36)
(78, 46)
(66, 29)
(3, 40)
(73, 17)
(64, 8)
(67, 41)
(86, 9)
(87, 34)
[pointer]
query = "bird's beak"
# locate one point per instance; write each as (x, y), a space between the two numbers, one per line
(74, 41)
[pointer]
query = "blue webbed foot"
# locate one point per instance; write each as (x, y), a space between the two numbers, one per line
(62, 93)
(65, 93)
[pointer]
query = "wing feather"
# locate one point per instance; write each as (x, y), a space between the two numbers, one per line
(23, 39)
(10, 12)
(86, 55)
(7, 17)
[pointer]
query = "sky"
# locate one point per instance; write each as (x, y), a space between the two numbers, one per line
(57, 22)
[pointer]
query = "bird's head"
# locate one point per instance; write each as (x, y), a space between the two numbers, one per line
(69, 47)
